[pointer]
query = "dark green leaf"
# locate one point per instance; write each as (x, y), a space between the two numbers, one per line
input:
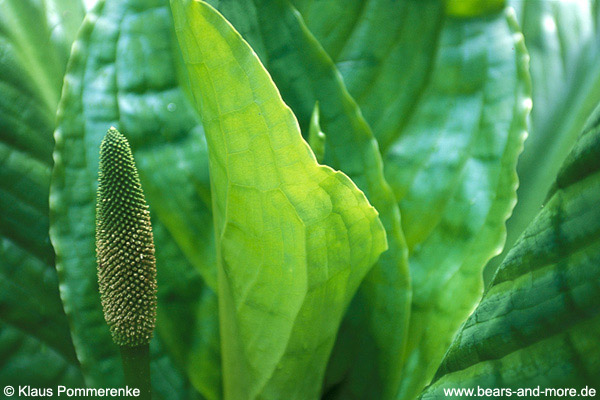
(25, 360)
(187, 317)
(35, 339)
(122, 73)
(539, 322)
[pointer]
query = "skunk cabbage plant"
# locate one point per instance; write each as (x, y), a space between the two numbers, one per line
(329, 183)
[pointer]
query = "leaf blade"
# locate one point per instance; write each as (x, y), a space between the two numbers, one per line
(566, 78)
(271, 183)
(465, 208)
(306, 75)
(542, 306)
(31, 313)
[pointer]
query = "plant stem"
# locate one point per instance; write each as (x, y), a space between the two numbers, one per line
(136, 366)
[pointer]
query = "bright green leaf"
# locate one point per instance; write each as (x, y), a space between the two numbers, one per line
(374, 332)
(34, 60)
(473, 8)
(121, 73)
(539, 322)
(274, 206)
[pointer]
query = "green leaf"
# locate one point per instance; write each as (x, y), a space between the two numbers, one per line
(538, 323)
(316, 136)
(473, 8)
(30, 306)
(166, 380)
(374, 332)
(453, 172)
(447, 99)
(559, 36)
(385, 51)
(64, 19)
(562, 39)
(35, 335)
(187, 317)
(26, 360)
(35, 59)
(122, 73)
(274, 206)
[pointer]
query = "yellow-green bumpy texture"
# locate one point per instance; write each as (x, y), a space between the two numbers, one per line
(124, 246)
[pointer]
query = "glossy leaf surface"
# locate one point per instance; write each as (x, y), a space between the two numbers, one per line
(538, 323)
(459, 189)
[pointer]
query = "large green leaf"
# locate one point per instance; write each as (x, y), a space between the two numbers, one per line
(305, 74)
(122, 73)
(453, 172)
(538, 323)
(294, 238)
(447, 98)
(564, 43)
(35, 339)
